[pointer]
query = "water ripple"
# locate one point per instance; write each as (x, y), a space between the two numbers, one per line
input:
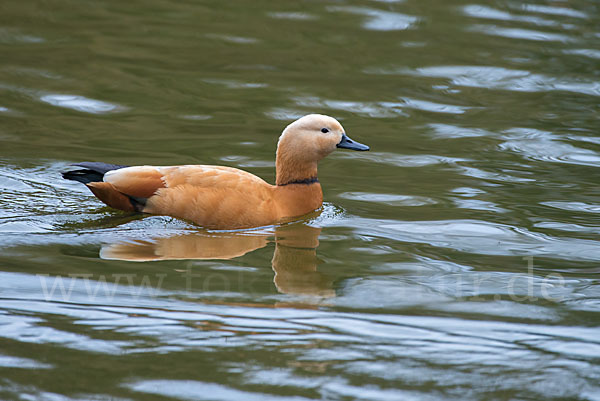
(571, 227)
(371, 109)
(297, 16)
(573, 206)
(74, 102)
(196, 117)
(519, 33)
(378, 20)
(231, 84)
(453, 131)
(475, 204)
(591, 53)
(12, 36)
(196, 390)
(388, 199)
(13, 362)
(12, 113)
(497, 78)
(545, 146)
(485, 12)
(481, 237)
(244, 161)
(490, 175)
(34, 330)
(589, 139)
(81, 103)
(232, 39)
(426, 106)
(284, 114)
(395, 159)
(468, 192)
(552, 10)
(381, 109)
(445, 290)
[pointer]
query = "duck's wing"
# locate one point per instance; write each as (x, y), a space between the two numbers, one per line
(207, 176)
(130, 190)
(212, 196)
(140, 182)
(145, 181)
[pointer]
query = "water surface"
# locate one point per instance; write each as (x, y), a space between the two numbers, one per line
(458, 259)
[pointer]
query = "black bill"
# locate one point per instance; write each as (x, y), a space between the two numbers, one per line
(348, 143)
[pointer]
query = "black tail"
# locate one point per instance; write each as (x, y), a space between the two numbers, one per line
(91, 172)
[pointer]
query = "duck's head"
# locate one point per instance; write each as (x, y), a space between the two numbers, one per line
(314, 136)
(306, 141)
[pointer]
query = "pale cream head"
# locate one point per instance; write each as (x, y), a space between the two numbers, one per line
(306, 141)
(311, 137)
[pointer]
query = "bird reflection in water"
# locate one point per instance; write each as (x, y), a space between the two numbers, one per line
(294, 259)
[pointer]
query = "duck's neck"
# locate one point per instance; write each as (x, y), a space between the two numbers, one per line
(291, 170)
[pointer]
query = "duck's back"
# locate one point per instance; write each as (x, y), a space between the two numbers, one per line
(212, 196)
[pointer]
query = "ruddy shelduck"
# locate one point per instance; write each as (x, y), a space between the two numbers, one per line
(225, 198)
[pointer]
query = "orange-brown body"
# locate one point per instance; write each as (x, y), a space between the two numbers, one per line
(219, 197)
(212, 196)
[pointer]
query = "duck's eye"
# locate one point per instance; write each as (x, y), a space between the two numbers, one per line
(324, 130)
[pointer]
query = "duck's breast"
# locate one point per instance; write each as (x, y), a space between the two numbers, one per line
(298, 199)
